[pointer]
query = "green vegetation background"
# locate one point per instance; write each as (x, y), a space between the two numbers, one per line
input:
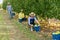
(44, 8)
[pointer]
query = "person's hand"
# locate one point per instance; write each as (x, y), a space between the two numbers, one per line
(31, 25)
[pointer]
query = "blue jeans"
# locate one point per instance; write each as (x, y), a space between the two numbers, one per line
(10, 13)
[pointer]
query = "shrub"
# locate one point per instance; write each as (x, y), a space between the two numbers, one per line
(44, 8)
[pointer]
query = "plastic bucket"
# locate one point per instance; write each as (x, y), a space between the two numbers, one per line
(13, 14)
(20, 20)
(56, 36)
(37, 29)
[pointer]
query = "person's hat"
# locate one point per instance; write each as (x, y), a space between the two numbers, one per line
(8, 2)
(32, 13)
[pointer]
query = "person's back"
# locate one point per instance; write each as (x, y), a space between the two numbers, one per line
(9, 8)
(21, 15)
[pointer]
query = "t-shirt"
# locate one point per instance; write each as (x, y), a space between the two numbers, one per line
(9, 8)
(21, 15)
(31, 20)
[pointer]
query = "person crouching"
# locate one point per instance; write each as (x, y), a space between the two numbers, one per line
(31, 20)
(21, 16)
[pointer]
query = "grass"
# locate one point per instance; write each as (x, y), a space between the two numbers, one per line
(22, 29)
(26, 31)
(29, 34)
(1, 18)
(4, 37)
(3, 33)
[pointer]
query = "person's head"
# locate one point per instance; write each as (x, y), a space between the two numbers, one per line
(21, 10)
(32, 14)
(9, 3)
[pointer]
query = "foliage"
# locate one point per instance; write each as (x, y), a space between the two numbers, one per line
(44, 8)
(4, 4)
(0, 5)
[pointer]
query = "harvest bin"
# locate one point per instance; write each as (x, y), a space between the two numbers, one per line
(56, 36)
(13, 14)
(36, 28)
(20, 20)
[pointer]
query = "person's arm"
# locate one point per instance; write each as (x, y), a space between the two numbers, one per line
(6, 8)
(29, 21)
(19, 15)
(12, 8)
(37, 21)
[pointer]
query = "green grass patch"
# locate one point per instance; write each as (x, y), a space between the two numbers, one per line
(26, 31)
(1, 18)
(2, 31)
(29, 34)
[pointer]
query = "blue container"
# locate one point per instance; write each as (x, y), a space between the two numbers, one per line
(37, 28)
(59, 36)
(13, 14)
(56, 36)
(20, 20)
